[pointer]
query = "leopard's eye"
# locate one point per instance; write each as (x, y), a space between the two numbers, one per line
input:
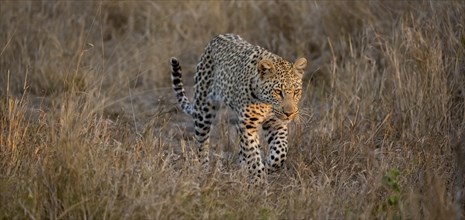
(297, 92)
(278, 92)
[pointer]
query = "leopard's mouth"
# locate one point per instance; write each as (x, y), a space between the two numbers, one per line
(285, 117)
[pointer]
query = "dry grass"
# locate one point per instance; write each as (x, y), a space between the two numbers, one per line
(89, 127)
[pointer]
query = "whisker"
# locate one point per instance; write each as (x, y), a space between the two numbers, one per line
(303, 117)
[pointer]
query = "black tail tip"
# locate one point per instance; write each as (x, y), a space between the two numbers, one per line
(174, 61)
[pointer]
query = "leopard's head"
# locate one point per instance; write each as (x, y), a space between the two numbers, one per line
(280, 85)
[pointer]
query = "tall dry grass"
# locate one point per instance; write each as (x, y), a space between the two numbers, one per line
(89, 127)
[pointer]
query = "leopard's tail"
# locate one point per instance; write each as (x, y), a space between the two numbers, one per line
(176, 79)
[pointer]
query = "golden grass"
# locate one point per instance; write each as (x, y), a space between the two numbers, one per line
(89, 127)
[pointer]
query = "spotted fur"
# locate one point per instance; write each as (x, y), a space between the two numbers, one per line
(262, 88)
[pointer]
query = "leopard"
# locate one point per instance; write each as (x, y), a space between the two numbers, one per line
(260, 87)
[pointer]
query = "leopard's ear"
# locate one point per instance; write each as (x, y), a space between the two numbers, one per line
(265, 68)
(299, 65)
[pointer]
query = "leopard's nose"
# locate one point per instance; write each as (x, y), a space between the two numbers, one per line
(288, 113)
(289, 110)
